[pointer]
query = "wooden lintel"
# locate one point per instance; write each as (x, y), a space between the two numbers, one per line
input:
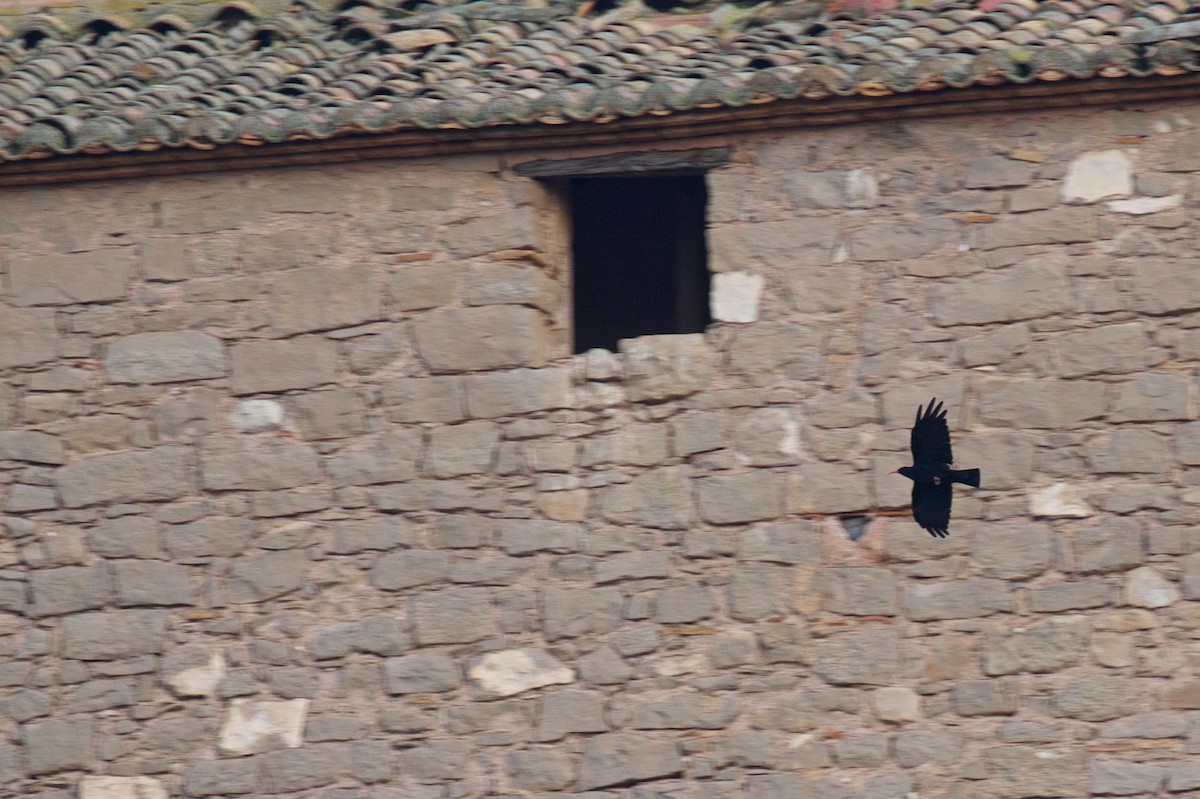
(644, 162)
(666, 132)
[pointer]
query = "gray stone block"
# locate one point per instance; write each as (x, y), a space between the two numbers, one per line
(151, 582)
(683, 604)
(426, 399)
(663, 367)
(329, 414)
(507, 231)
(870, 657)
(661, 498)
(958, 599)
(692, 433)
(169, 357)
(72, 278)
(232, 777)
(1023, 771)
(1155, 724)
(1007, 458)
(854, 188)
(738, 498)
(1039, 403)
(421, 673)
(383, 458)
(293, 770)
(511, 284)
(1152, 398)
(211, 537)
(1048, 645)
(678, 710)
(1110, 349)
(1164, 286)
(487, 337)
(996, 346)
(27, 704)
(435, 761)
(1097, 698)
(1069, 225)
(1113, 545)
(137, 476)
(575, 612)
(787, 542)
(859, 592)
(1110, 777)
(461, 449)
(257, 464)
(767, 350)
(527, 536)
(1081, 595)
(1129, 450)
(566, 711)
(1187, 443)
(1018, 552)
(454, 616)
(59, 744)
(758, 590)
(996, 697)
(916, 747)
(125, 537)
(894, 241)
(324, 298)
(1183, 776)
(637, 565)
(617, 758)
(26, 498)
(68, 589)
(31, 446)
(101, 694)
(266, 366)
(997, 172)
(255, 578)
(28, 336)
(517, 391)
(541, 769)
(861, 751)
(603, 666)
(412, 567)
(1026, 291)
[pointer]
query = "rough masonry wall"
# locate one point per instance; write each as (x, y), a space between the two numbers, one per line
(305, 496)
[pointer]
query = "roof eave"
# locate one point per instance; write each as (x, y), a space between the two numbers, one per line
(352, 145)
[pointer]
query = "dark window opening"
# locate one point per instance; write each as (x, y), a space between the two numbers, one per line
(855, 526)
(640, 262)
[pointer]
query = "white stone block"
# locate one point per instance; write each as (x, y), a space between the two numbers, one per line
(1060, 499)
(97, 787)
(1146, 588)
(735, 296)
(1146, 205)
(515, 671)
(262, 726)
(897, 704)
(1098, 175)
(257, 416)
(198, 680)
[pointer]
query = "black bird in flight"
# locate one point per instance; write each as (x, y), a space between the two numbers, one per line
(931, 473)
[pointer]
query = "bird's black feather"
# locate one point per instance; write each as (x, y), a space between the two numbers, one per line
(931, 473)
(930, 438)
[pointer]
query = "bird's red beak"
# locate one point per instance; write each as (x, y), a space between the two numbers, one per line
(897, 471)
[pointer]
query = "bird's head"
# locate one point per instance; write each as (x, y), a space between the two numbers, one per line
(907, 471)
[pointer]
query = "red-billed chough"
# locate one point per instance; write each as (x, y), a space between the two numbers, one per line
(931, 473)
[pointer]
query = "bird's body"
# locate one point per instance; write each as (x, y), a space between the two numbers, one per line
(931, 473)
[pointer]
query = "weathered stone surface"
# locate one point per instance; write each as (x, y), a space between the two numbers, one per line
(1018, 772)
(566, 711)
(764, 351)
(870, 657)
(678, 710)
(59, 744)
(662, 367)
(426, 399)
(896, 704)
(517, 391)
(212, 537)
(827, 488)
(683, 605)
(1164, 286)
(293, 770)
(526, 536)
(1039, 403)
(617, 758)
(1020, 552)
(323, 298)
(151, 582)
(1061, 500)
(957, 599)
(96, 787)
(734, 296)
(301, 362)
(855, 188)
(768, 437)
(995, 697)
(1152, 398)
(257, 416)
(1055, 226)
(421, 673)
(780, 244)
(997, 172)
(193, 673)
(507, 231)
(166, 357)
(136, 476)
(386, 457)
(1096, 699)
(515, 671)
(510, 284)
(787, 542)
(1145, 587)
(486, 337)
(231, 777)
(996, 346)
(261, 464)
(890, 241)
(111, 635)
(1183, 776)
(1047, 645)
(1026, 291)
(455, 616)
(916, 747)
(632, 566)
(31, 446)
(1111, 349)
(1098, 175)
(1145, 205)
(254, 578)
(1080, 595)
(570, 613)
(739, 498)
(461, 449)
(661, 498)
(96, 276)
(541, 769)
(412, 567)
(28, 336)
(1127, 450)
(860, 592)
(68, 589)
(262, 725)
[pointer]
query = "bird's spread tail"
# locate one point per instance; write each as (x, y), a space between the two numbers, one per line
(968, 477)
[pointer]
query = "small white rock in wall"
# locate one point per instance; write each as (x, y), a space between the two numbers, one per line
(96, 787)
(897, 704)
(1146, 588)
(257, 416)
(1098, 175)
(262, 726)
(734, 296)
(198, 680)
(1146, 205)
(515, 671)
(1059, 499)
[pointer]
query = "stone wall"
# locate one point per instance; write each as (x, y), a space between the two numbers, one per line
(305, 495)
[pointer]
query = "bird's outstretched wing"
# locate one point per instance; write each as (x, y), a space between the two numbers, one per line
(931, 508)
(931, 437)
